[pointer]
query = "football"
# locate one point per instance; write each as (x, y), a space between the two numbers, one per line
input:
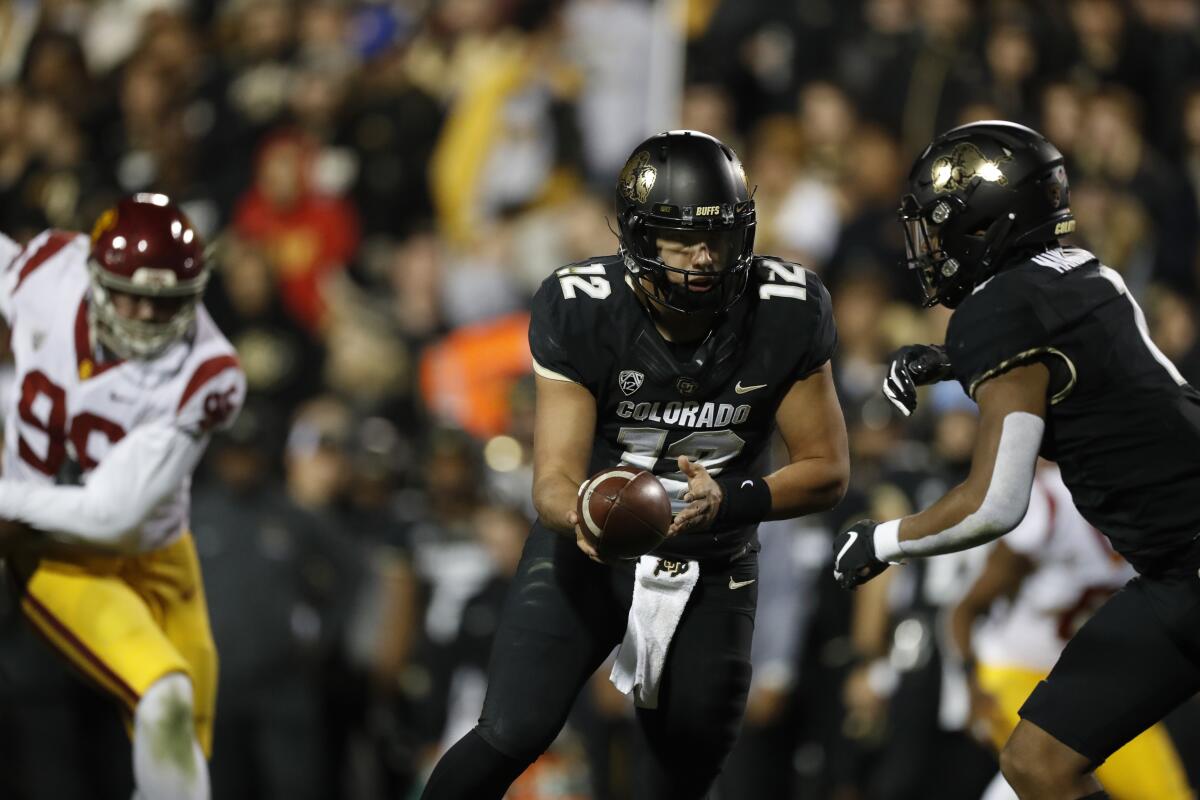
(625, 510)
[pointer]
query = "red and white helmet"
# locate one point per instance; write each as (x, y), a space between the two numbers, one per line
(145, 246)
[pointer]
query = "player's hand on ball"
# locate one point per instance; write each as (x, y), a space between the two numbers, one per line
(583, 541)
(854, 560)
(912, 366)
(703, 499)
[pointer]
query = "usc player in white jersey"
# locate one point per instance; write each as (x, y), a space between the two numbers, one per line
(121, 376)
(1040, 584)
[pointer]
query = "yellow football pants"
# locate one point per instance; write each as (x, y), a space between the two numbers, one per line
(126, 622)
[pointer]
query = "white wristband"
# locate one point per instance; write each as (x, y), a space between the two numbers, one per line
(887, 542)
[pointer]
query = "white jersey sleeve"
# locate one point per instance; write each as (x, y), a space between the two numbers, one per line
(213, 395)
(139, 476)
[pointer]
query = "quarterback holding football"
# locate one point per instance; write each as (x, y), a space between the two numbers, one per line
(680, 355)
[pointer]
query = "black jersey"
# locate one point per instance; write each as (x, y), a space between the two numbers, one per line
(1123, 424)
(655, 400)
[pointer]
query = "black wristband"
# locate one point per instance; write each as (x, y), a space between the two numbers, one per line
(744, 501)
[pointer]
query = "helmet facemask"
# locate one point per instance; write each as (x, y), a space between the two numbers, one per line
(713, 288)
(949, 261)
(141, 339)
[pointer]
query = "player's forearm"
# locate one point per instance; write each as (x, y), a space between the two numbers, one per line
(140, 472)
(990, 504)
(555, 496)
(948, 513)
(807, 486)
(958, 521)
(71, 515)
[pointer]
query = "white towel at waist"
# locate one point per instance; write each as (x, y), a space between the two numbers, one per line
(661, 589)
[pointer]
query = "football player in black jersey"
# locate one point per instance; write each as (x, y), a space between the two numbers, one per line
(681, 354)
(1055, 350)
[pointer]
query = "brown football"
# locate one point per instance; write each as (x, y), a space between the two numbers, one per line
(625, 510)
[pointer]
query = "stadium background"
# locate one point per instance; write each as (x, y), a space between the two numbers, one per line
(386, 183)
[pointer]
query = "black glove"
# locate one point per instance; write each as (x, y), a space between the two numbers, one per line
(854, 560)
(912, 366)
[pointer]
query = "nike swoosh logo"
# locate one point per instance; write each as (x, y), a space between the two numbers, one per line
(837, 562)
(739, 584)
(743, 389)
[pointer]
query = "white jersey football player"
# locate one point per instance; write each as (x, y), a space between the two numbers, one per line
(1041, 582)
(121, 376)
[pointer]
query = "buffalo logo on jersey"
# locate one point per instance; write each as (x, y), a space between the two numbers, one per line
(672, 568)
(630, 381)
(637, 178)
(965, 162)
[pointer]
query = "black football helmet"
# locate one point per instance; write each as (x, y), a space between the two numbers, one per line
(977, 195)
(686, 181)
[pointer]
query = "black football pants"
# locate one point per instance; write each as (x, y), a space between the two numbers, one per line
(564, 614)
(1131, 663)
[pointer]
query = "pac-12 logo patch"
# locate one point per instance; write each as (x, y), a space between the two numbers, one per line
(630, 381)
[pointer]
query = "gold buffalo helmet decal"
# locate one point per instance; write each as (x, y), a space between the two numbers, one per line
(966, 161)
(637, 178)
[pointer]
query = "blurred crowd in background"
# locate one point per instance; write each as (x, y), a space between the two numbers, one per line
(385, 183)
